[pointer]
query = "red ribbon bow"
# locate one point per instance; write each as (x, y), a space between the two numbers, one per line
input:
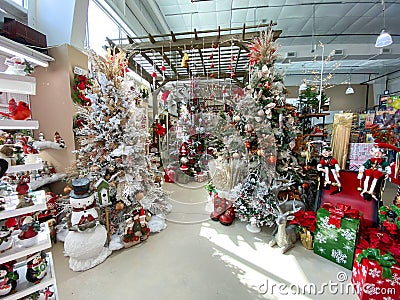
(390, 227)
(338, 212)
(87, 219)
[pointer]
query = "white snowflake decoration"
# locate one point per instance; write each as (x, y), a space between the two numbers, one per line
(325, 223)
(348, 234)
(374, 273)
(388, 298)
(332, 236)
(320, 238)
(396, 279)
(339, 256)
(380, 282)
(321, 250)
(348, 248)
(390, 281)
(364, 271)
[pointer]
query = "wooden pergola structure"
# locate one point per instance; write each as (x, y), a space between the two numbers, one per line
(213, 54)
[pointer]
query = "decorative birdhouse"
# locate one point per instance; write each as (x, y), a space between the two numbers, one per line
(103, 192)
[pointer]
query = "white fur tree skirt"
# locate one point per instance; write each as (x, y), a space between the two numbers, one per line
(86, 249)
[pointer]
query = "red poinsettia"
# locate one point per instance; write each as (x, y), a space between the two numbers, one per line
(305, 218)
(81, 84)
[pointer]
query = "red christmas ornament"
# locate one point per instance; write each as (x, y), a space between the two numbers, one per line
(211, 75)
(212, 66)
(154, 74)
(211, 56)
(233, 74)
(215, 45)
(272, 159)
(305, 185)
(163, 68)
(230, 67)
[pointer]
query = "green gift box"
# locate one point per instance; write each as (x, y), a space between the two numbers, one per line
(336, 234)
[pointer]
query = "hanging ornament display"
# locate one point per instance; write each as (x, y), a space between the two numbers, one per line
(163, 68)
(185, 60)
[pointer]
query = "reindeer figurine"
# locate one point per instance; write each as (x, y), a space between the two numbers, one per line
(286, 237)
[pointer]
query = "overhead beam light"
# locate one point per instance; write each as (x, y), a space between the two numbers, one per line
(16, 49)
(384, 39)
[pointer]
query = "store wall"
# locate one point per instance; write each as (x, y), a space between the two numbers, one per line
(53, 106)
(340, 101)
(66, 24)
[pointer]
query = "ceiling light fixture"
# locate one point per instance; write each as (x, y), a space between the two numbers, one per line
(349, 90)
(384, 39)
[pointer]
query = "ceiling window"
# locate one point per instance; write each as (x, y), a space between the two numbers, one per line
(23, 3)
(99, 26)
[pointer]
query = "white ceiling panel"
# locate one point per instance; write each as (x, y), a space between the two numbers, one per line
(295, 12)
(268, 13)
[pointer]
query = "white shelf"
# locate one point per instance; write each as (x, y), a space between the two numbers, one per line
(24, 168)
(34, 185)
(12, 201)
(25, 288)
(47, 145)
(18, 124)
(43, 242)
(17, 84)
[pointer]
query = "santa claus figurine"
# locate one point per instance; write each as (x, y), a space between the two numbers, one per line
(329, 164)
(373, 169)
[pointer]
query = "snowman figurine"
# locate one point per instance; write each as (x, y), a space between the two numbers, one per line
(36, 267)
(8, 278)
(85, 241)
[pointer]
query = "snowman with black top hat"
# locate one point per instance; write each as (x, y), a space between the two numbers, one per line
(85, 241)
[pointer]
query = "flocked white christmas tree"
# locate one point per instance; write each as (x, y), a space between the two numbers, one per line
(113, 138)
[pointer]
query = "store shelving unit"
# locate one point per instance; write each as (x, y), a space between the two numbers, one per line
(25, 85)
(25, 288)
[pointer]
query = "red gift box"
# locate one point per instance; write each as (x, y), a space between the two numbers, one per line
(371, 282)
(169, 175)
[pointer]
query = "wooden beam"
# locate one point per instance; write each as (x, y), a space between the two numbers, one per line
(258, 27)
(238, 82)
(244, 31)
(222, 75)
(140, 70)
(167, 60)
(130, 40)
(146, 57)
(219, 33)
(173, 37)
(237, 60)
(202, 61)
(196, 37)
(195, 44)
(151, 38)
